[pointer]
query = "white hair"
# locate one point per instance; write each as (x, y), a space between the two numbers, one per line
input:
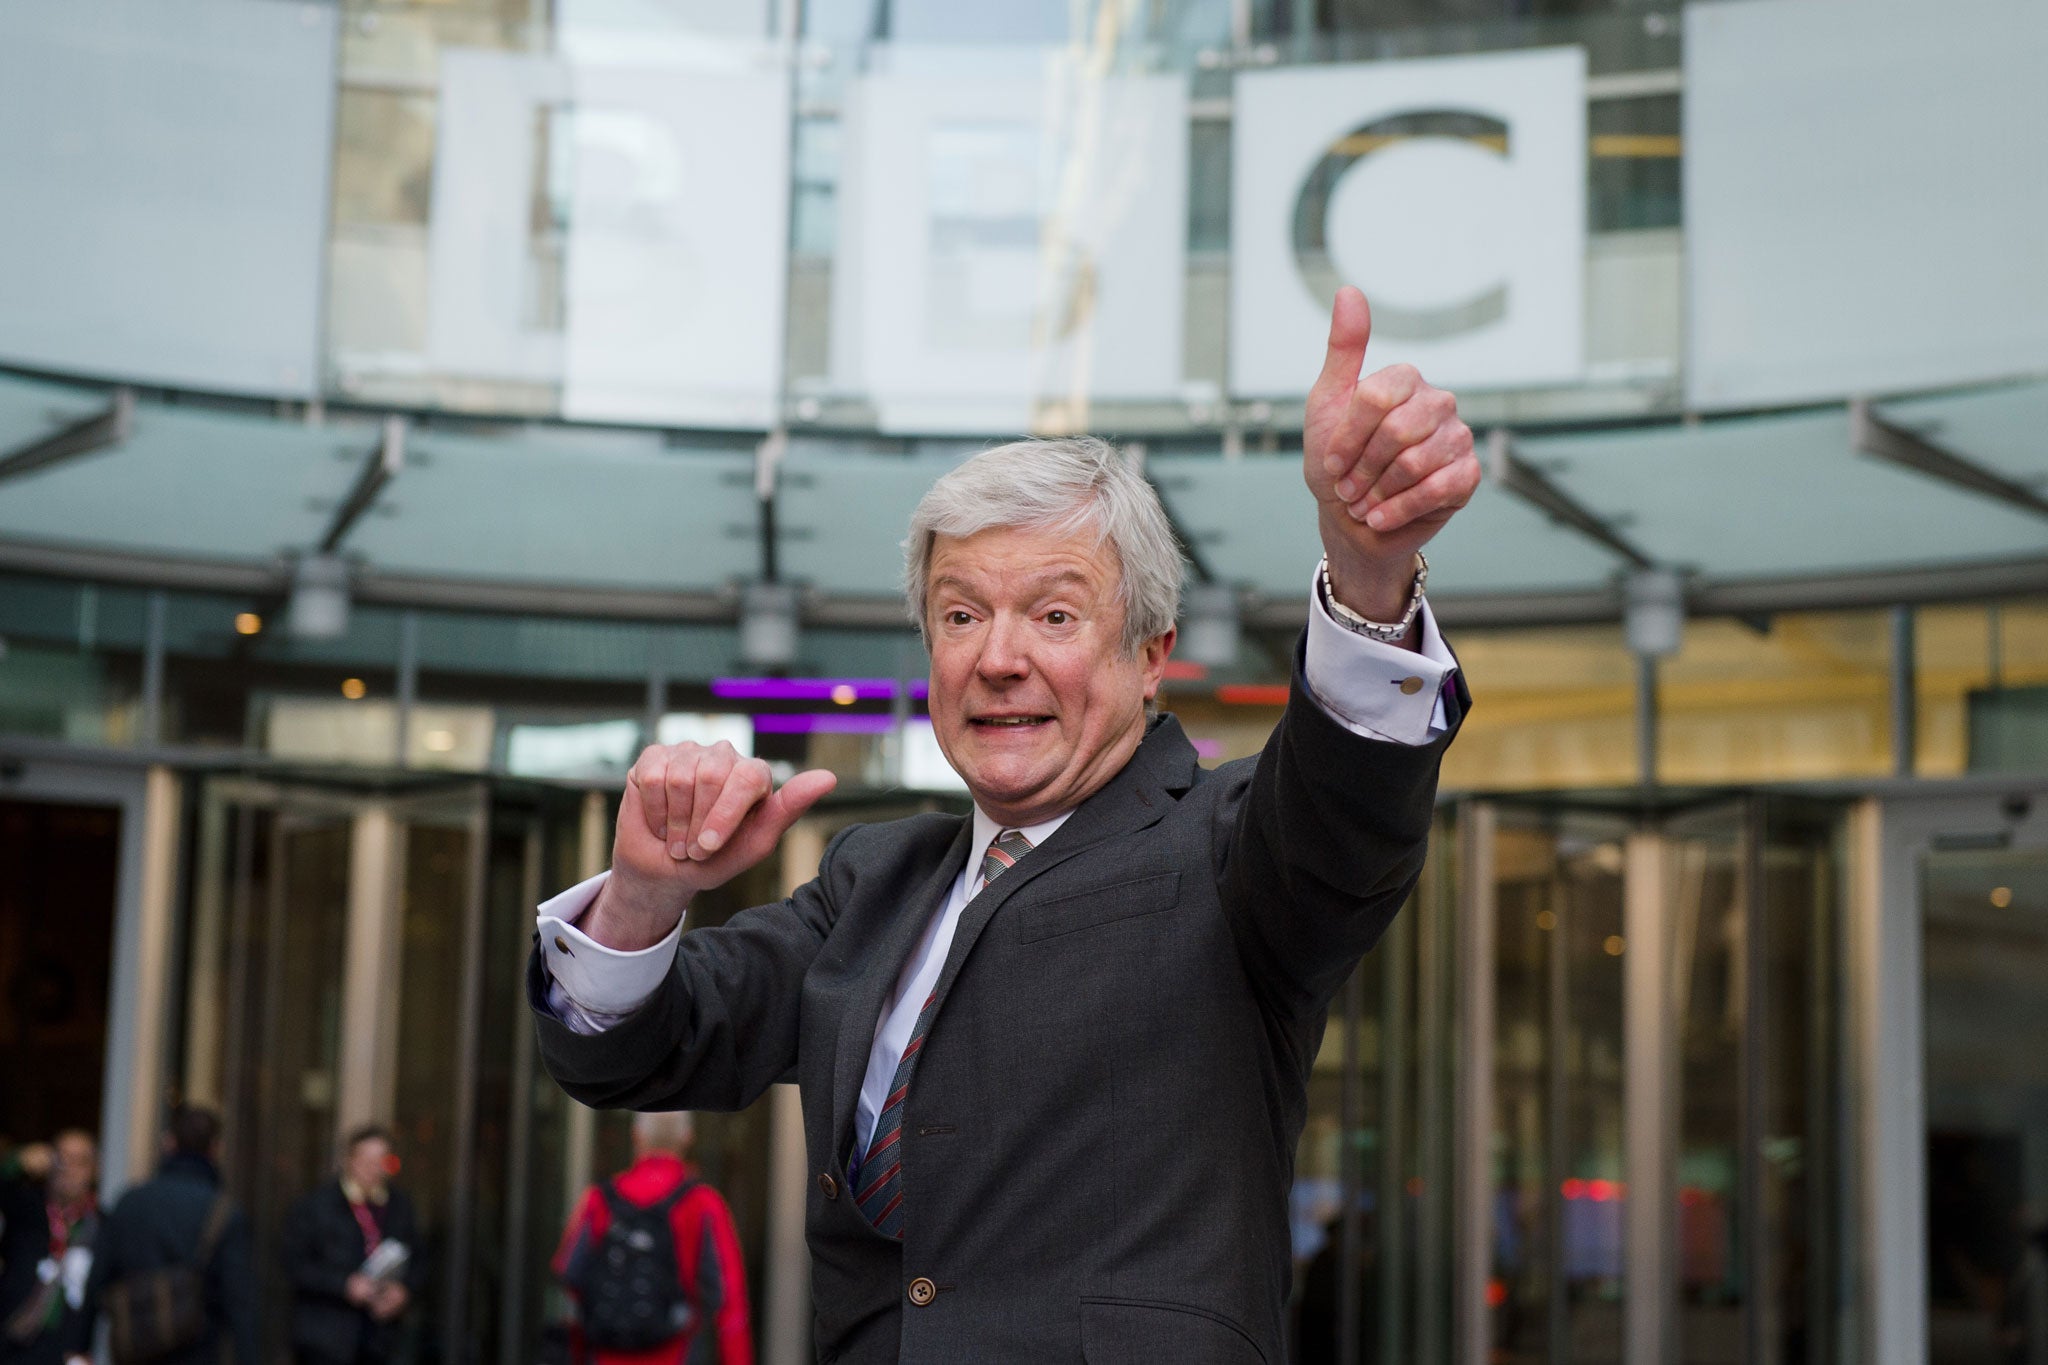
(665, 1130)
(1073, 484)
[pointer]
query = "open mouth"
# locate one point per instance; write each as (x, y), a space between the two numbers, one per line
(1010, 722)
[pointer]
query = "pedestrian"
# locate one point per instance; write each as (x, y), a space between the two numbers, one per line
(351, 1250)
(171, 1270)
(653, 1260)
(46, 1327)
(24, 1240)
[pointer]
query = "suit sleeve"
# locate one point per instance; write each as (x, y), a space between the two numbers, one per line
(723, 1026)
(106, 1268)
(1321, 845)
(310, 1272)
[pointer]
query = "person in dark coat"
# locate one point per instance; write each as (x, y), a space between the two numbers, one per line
(44, 1329)
(162, 1222)
(342, 1315)
(24, 1246)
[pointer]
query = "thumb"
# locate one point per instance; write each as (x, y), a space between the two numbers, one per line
(786, 806)
(1350, 330)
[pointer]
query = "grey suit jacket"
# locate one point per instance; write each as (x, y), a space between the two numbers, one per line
(1100, 1137)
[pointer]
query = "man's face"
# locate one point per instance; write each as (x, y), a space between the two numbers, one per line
(368, 1163)
(77, 1164)
(1033, 700)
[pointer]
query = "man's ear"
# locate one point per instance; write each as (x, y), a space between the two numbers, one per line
(1152, 655)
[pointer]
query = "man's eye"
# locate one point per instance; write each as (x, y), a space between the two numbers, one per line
(1058, 618)
(958, 618)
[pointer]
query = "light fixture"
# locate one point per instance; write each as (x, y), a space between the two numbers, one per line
(768, 625)
(844, 695)
(1615, 945)
(248, 623)
(2001, 896)
(354, 689)
(811, 689)
(439, 741)
(1546, 920)
(1211, 625)
(1654, 612)
(319, 606)
(823, 723)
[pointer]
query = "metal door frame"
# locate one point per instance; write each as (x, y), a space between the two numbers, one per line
(1888, 836)
(150, 802)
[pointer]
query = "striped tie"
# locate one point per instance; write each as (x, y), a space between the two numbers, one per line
(877, 1176)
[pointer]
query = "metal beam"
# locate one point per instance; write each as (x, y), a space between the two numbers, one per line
(1585, 606)
(109, 426)
(1872, 435)
(1534, 487)
(379, 469)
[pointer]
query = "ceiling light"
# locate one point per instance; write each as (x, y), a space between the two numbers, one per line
(768, 625)
(248, 623)
(1654, 612)
(354, 689)
(319, 606)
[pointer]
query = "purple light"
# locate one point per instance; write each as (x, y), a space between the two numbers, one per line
(1208, 748)
(809, 689)
(824, 723)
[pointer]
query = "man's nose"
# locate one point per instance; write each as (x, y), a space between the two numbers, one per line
(1002, 651)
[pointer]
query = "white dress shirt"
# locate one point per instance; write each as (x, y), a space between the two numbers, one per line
(1369, 688)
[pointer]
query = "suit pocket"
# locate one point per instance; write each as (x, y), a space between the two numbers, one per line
(1091, 909)
(1140, 1332)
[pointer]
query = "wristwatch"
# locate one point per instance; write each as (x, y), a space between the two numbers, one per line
(1387, 632)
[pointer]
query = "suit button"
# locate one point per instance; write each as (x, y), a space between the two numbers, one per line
(922, 1291)
(828, 1185)
(562, 945)
(1410, 686)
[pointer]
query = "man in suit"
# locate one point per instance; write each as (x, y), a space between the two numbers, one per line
(341, 1316)
(1053, 1056)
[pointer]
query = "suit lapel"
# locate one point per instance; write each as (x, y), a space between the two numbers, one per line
(1134, 799)
(882, 963)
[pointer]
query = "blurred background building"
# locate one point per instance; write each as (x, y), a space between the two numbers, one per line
(407, 410)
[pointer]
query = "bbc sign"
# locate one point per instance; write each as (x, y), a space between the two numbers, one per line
(1451, 190)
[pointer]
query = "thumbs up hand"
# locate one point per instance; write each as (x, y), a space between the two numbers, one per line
(1388, 462)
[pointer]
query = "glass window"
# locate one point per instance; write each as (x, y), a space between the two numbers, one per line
(1986, 959)
(1792, 697)
(1557, 1273)
(1974, 671)
(1551, 708)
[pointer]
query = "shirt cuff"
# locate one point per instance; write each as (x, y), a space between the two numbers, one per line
(588, 982)
(1374, 689)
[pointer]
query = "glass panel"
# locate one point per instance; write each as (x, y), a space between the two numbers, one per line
(1804, 1287)
(1986, 964)
(1706, 901)
(288, 922)
(439, 851)
(1334, 1207)
(1965, 657)
(1557, 1274)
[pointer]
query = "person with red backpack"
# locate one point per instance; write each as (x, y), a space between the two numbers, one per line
(653, 1261)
